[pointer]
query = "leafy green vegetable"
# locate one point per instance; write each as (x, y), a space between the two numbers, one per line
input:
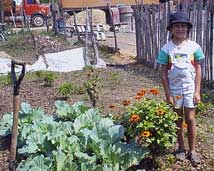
(68, 112)
(6, 124)
(38, 163)
(77, 138)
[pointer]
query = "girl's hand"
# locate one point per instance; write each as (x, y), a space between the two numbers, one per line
(169, 99)
(197, 98)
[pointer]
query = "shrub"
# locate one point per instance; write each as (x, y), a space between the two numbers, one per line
(203, 107)
(149, 122)
(46, 76)
(68, 89)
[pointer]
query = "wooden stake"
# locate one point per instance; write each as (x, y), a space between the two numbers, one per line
(16, 107)
(113, 27)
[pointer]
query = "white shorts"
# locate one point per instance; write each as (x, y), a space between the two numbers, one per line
(183, 100)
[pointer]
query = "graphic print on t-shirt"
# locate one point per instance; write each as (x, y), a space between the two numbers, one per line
(180, 60)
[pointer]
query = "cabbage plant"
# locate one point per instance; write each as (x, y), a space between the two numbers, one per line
(74, 138)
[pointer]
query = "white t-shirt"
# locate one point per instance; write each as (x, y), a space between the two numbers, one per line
(180, 60)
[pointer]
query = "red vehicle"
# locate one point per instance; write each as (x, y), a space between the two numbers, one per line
(37, 12)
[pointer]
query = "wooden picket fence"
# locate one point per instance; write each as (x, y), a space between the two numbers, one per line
(151, 33)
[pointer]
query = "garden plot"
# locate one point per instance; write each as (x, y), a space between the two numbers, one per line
(117, 89)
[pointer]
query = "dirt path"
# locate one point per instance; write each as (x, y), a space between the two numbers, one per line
(126, 42)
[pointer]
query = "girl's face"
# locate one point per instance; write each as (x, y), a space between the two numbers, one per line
(179, 30)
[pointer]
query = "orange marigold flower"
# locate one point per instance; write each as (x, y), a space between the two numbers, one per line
(141, 92)
(126, 102)
(134, 118)
(145, 134)
(112, 106)
(138, 97)
(160, 111)
(184, 125)
(178, 97)
(154, 91)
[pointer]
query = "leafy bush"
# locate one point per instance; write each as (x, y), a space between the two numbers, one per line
(86, 141)
(203, 107)
(68, 89)
(46, 76)
(208, 97)
(149, 122)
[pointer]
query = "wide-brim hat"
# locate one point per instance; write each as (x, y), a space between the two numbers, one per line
(178, 17)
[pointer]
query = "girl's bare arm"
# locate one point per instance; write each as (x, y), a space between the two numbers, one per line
(165, 83)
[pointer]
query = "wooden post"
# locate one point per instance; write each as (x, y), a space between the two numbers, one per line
(113, 27)
(93, 41)
(64, 23)
(137, 30)
(86, 38)
(75, 25)
(142, 32)
(204, 41)
(13, 17)
(53, 13)
(22, 14)
(211, 41)
(46, 23)
(136, 15)
(207, 52)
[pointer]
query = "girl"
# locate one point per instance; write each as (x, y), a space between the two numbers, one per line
(181, 79)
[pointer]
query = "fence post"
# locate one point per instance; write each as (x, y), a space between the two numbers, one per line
(113, 27)
(211, 41)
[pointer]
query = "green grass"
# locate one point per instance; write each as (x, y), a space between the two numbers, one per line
(31, 76)
(113, 78)
(5, 80)
(17, 45)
